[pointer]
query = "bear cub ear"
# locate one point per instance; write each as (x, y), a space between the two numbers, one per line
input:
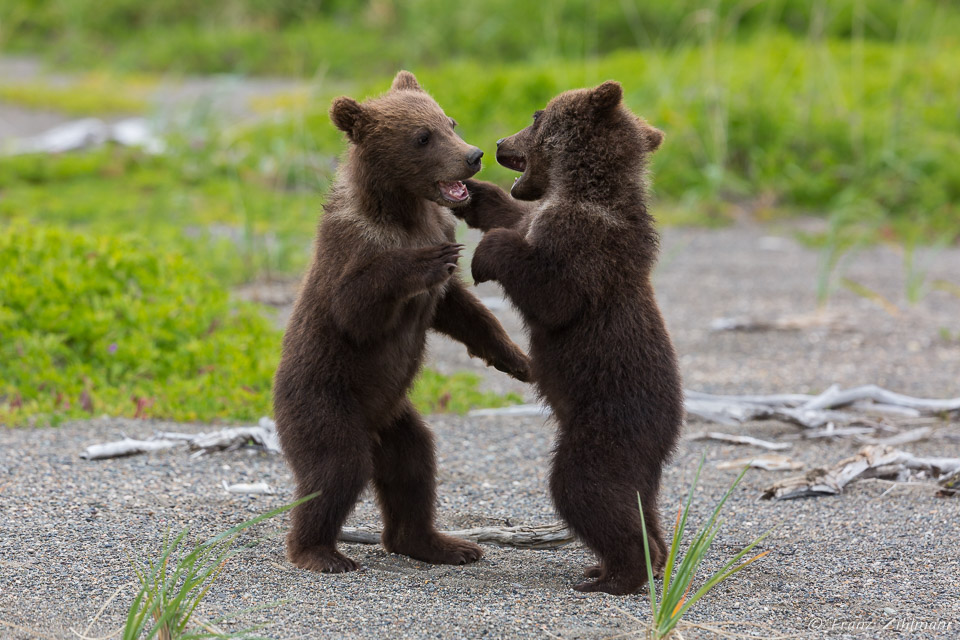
(405, 81)
(350, 117)
(652, 138)
(606, 96)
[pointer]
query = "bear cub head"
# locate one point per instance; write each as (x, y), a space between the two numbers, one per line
(585, 139)
(404, 141)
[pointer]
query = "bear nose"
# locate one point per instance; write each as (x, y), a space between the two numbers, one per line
(473, 157)
(500, 141)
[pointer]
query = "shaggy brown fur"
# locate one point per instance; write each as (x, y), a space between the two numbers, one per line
(381, 276)
(577, 264)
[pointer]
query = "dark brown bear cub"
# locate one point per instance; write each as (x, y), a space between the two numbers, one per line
(577, 264)
(382, 275)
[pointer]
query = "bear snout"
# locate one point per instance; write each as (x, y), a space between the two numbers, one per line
(473, 158)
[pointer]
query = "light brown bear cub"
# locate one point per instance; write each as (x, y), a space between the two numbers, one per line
(382, 275)
(577, 263)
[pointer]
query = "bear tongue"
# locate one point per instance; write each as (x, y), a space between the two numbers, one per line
(455, 191)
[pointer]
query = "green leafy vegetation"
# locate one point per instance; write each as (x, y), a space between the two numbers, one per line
(435, 392)
(91, 94)
(377, 36)
(109, 324)
(776, 124)
(679, 574)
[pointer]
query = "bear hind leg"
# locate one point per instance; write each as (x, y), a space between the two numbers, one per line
(608, 522)
(338, 477)
(405, 482)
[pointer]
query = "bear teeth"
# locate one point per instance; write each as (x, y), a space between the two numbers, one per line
(454, 191)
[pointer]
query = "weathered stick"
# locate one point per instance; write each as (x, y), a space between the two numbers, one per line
(808, 411)
(126, 447)
(757, 442)
(767, 462)
(836, 397)
(263, 435)
(545, 536)
(872, 461)
(914, 435)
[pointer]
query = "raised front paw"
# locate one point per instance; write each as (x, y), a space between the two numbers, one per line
(482, 194)
(516, 363)
(490, 254)
(437, 263)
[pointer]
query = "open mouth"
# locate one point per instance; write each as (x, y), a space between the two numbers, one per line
(515, 162)
(454, 191)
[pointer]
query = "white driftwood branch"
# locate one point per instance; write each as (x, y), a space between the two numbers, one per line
(757, 442)
(515, 410)
(779, 399)
(263, 436)
(914, 435)
(249, 488)
(546, 536)
(126, 447)
(836, 397)
(870, 462)
(808, 411)
(835, 432)
(784, 323)
(767, 462)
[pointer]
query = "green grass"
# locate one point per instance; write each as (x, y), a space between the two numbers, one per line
(458, 393)
(111, 325)
(834, 108)
(680, 573)
(350, 40)
(863, 130)
(89, 94)
(173, 586)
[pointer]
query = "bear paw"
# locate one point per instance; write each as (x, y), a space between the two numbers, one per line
(593, 571)
(322, 559)
(617, 586)
(437, 548)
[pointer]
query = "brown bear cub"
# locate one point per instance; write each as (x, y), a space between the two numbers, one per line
(577, 264)
(382, 274)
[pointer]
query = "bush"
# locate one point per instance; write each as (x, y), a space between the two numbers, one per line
(110, 325)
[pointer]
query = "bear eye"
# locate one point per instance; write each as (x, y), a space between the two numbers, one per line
(537, 114)
(423, 138)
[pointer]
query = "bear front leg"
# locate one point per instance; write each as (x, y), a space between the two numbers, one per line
(542, 286)
(464, 318)
(369, 296)
(490, 207)
(405, 482)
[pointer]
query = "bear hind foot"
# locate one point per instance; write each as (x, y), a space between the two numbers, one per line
(436, 548)
(322, 560)
(616, 586)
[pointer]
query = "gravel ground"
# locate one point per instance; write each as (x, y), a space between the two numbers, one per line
(880, 555)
